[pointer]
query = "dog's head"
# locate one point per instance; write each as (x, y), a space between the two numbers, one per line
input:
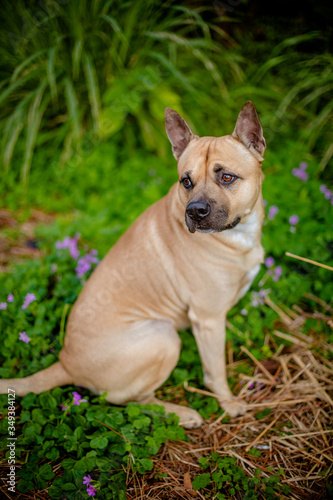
(219, 177)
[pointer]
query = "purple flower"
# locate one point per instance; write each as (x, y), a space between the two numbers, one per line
(10, 298)
(269, 262)
(91, 491)
(64, 408)
(30, 297)
(24, 337)
(78, 399)
(3, 305)
(84, 263)
(277, 273)
(244, 312)
(71, 244)
(264, 202)
(263, 293)
(327, 192)
(303, 166)
(273, 210)
(293, 220)
(87, 479)
(300, 174)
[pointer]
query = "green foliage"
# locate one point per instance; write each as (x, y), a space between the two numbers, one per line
(227, 478)
(92, 439)
(69, 65)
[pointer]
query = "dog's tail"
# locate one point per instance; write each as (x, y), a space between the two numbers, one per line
(53, 376)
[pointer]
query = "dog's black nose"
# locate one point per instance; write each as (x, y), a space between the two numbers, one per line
(198, 209)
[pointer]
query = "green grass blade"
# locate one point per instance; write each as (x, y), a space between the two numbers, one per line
(73, 108)
(173, 70)
(51, 76)
(35, 115)
(93, 90)
(76, 58)
(25, 63)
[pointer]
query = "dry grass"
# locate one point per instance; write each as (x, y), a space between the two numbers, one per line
(297, 435)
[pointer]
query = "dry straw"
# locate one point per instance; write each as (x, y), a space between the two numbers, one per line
(297, 434)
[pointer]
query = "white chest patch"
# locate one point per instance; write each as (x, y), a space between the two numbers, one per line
(249, 278)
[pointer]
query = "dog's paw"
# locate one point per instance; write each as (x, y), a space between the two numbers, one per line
(190, 419)
(235, 407)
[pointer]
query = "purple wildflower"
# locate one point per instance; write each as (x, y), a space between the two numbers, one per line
(303, 165)
(71, 244)
(269, 262)
(273, 210)
(30, 297)
(263, 293)
(10, 298)
(277, 273)
(293, 220)
(91, 491)
(327, 192)
(78, 399)
(300, 174)
(244, 312)
(3, 305)
(84, 263)
(64, 408)
(24, 337)
(87, 479)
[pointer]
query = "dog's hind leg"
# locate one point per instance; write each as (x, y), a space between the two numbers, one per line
(143, 357)
(53, 376)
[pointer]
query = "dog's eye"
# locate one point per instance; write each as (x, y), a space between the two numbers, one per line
(187, 182)
(228, 178)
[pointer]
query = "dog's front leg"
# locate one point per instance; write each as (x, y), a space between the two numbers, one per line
(210, 337)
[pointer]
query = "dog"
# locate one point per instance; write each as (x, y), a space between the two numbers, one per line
(184, 262)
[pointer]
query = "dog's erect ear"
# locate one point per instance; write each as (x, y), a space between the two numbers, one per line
(248, 130)
(178, 131)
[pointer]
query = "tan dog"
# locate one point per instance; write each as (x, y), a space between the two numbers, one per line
(185, 261)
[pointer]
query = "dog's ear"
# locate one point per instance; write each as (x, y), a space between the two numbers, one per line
(178, 131)
(248, 130)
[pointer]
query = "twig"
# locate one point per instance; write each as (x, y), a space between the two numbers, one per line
(262, 433)
(262, 368)
(315, 263)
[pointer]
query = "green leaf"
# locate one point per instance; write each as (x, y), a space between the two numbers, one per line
(55, 493)
(52, 455)
(46, 472)
(99, 442)
(69, 487)
(68, 463)
(263, 413)
(201, 481)
(47, 401)
(29, 400)
(144, 464)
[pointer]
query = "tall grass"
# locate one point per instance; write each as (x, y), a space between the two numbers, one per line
(296, 82)
(73, 65)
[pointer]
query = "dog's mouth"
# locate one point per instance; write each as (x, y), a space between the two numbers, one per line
(209, 227)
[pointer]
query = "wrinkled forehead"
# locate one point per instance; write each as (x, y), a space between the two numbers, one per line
(203, 153)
